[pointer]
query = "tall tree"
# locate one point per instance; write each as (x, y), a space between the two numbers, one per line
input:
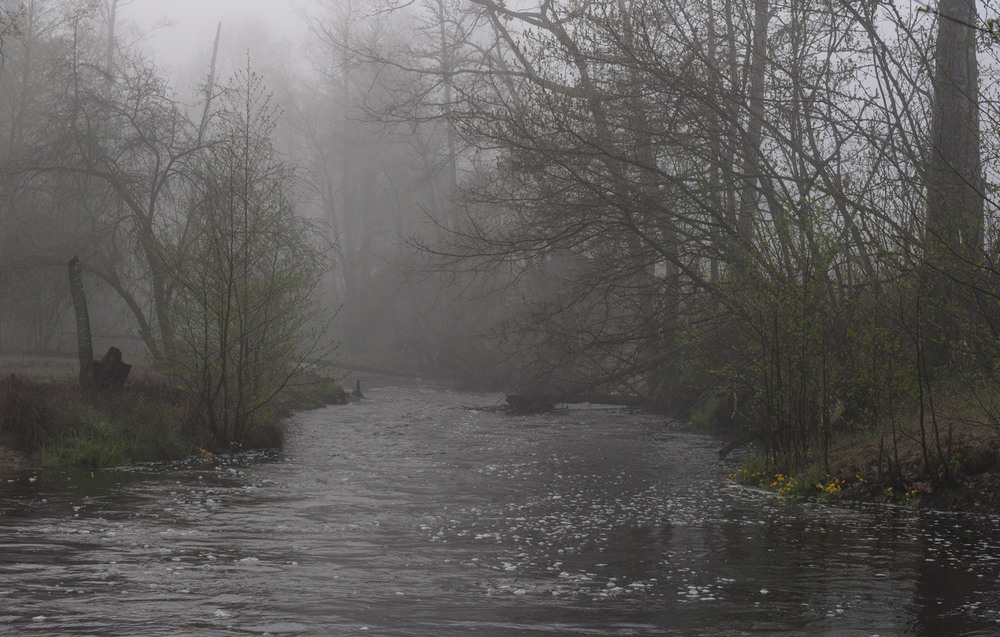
(954, 177)
(955, 195)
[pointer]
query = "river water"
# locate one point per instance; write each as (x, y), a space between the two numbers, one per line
(410, 514)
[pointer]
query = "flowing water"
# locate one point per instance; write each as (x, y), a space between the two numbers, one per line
(409, 514)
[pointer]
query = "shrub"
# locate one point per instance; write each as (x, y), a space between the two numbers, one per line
(25, 418)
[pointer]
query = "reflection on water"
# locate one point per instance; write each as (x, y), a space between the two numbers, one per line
(408, 514)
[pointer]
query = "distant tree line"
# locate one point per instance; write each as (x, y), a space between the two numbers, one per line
(781, 206)
(181, 215)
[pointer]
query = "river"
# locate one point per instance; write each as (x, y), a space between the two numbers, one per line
(410, 514)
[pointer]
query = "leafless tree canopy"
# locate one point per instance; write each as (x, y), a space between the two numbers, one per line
(751, 200)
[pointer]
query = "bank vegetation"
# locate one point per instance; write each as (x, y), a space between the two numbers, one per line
(774, 216)
(47, 421)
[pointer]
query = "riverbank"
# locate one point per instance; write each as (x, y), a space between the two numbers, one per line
(907, 467)
(408, 514)
(47, 422)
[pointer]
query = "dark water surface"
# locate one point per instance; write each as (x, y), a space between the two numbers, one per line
(407, 514)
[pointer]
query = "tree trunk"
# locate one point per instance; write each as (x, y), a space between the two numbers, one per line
(85, 346)
(752, 138)
(954, 180)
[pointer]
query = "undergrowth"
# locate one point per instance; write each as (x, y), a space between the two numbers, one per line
(147, 422)
(855, 473)
(26, 419)
(150, 420)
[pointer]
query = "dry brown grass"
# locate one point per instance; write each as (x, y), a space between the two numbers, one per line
(46, 420)
(955, 466)
(39, 368)
(27, 420)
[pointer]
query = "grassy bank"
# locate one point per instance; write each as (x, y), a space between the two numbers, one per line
(47, 422)
(893, 466)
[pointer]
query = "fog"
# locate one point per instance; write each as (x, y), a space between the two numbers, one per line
(532, 198)
(177, 33)
(370, 188)
(771, 218)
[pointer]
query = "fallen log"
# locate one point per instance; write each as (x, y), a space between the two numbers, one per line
(621, 400)
(530, 403)
(542, 403)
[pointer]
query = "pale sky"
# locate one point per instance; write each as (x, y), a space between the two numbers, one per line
(193, 23)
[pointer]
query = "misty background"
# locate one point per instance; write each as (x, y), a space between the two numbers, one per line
(675, 198)
(375, 173)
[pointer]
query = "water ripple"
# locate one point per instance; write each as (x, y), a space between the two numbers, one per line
(407, 514)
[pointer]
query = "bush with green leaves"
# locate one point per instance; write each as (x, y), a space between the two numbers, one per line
(244, 300)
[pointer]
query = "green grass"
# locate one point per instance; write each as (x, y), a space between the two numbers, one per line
(52, 424)
(46, 420)
(117, 430)
(90, 445)
(807, 481)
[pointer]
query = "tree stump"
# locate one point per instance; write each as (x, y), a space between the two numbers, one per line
(110, 373)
